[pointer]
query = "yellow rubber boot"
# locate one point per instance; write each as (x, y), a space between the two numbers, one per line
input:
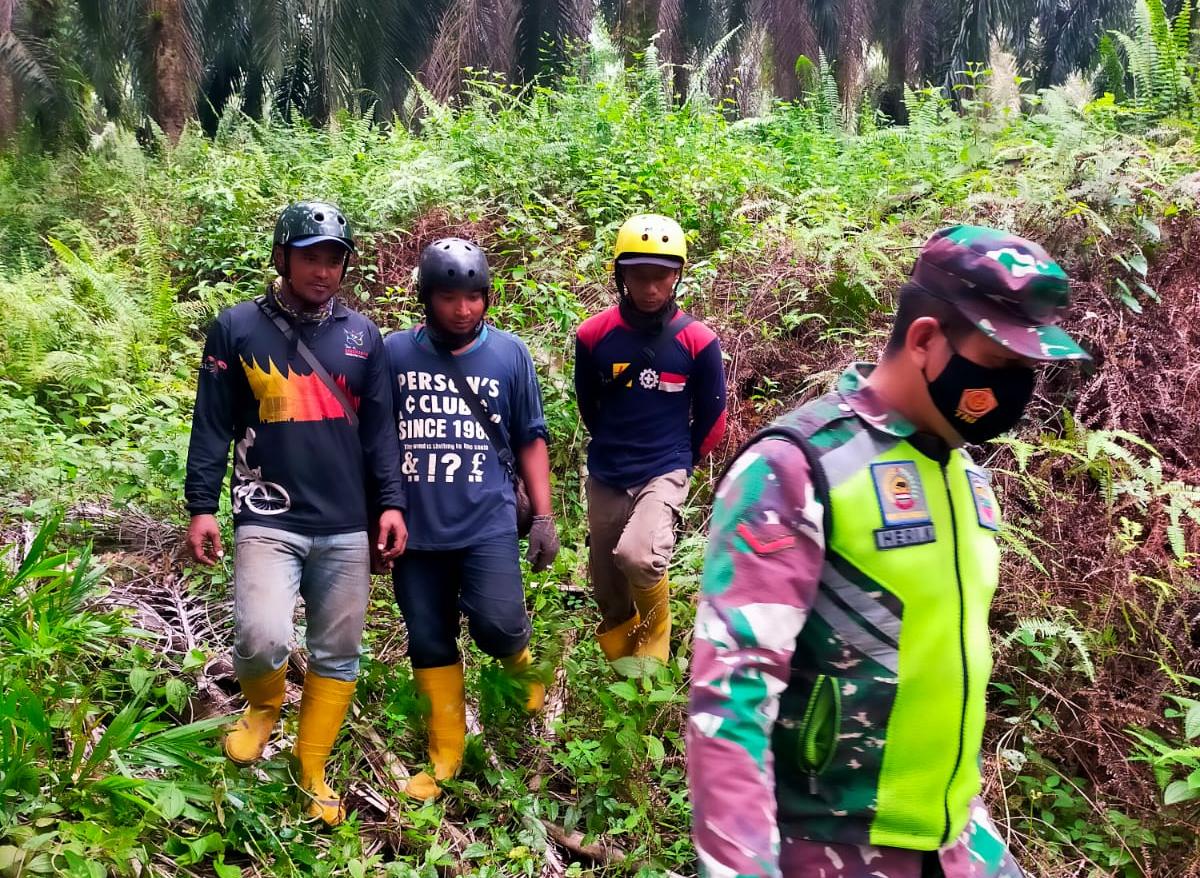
(245, 741)
(322, 709)
(447, 726)
(520, 666)
(619, 642)
(654, 634)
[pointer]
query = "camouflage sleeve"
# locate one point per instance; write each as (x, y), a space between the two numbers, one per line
(760, 578)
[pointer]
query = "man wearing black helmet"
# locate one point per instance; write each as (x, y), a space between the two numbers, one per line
(300, 383)
(469, 414)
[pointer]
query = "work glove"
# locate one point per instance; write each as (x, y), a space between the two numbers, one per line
(543, 543)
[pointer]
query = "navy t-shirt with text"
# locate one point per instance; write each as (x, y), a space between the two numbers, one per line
(458, 492)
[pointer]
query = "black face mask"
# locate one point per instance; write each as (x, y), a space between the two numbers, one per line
(980, 402)
(641, 321)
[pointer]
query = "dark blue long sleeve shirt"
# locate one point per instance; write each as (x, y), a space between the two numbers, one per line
(667, 418)
(299, 465)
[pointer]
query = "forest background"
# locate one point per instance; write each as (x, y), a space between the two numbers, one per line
(807, 148)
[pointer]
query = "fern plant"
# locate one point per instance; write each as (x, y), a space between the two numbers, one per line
(1055, 643)
(653, 92)
(699, 90)
(1170, 759)
(1158, 60)
(1112, 460)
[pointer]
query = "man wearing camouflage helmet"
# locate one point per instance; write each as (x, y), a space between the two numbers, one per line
(300, 382)
(842, 646)
(469, 414)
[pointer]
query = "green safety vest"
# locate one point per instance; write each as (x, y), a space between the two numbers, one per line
(880, 728)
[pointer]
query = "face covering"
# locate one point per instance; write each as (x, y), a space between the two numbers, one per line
(980, 402)
(641, 321)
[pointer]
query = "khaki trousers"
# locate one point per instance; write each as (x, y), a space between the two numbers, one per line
(632, 537)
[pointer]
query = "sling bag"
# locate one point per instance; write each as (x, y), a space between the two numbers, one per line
(503, 451)
(645, 357)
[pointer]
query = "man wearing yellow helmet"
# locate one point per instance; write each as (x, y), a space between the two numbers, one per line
(651, 391)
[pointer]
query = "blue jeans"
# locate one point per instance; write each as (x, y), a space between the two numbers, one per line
(272, 568)
(482, 582)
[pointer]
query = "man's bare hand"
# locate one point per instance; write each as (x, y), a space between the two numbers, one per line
(393, 536)
(204, 540)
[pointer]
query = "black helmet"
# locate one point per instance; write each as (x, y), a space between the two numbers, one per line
(452, 264)
(310, 222)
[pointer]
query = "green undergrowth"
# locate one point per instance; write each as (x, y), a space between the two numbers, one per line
(115, 260)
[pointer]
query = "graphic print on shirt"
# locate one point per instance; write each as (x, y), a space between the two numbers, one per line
(442, 440)
(617, 369)
(649, 379)
(289, 396)
(259, 496)
(354, 344)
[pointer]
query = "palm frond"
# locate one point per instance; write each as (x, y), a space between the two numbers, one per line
(461, 34)
(23, 65)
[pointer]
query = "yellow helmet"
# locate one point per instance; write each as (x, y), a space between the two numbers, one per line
(657, 238)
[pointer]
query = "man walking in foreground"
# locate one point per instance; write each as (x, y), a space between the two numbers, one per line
(301, 383)
(842, 648)
(469, 412)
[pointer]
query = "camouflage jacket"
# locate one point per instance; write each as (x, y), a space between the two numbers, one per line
(757, 596)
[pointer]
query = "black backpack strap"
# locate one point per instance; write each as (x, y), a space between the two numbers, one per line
(646, 357)
(475, 404)
(309, 357)
(801, 439)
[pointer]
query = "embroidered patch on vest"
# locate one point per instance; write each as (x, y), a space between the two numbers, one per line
(900, 493)
(986, 508)
(899, 537)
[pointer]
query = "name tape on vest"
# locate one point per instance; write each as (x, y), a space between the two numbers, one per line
(899, 537)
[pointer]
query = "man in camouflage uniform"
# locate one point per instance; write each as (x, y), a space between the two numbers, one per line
(842, 646)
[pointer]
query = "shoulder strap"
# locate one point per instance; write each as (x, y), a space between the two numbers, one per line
(313, 363)
(800, 439)
(475, 404)
(645, 357)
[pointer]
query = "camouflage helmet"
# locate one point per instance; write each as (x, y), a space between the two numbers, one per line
(306, 223)
(452, 264)
(1009, 288)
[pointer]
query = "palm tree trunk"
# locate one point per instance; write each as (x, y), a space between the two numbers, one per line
(8, 95)
(853, 30)
(670, 46)
(896, 32)
(174, 85)
(792, 35)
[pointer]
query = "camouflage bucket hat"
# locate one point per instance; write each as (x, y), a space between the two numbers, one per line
(1010, 288)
